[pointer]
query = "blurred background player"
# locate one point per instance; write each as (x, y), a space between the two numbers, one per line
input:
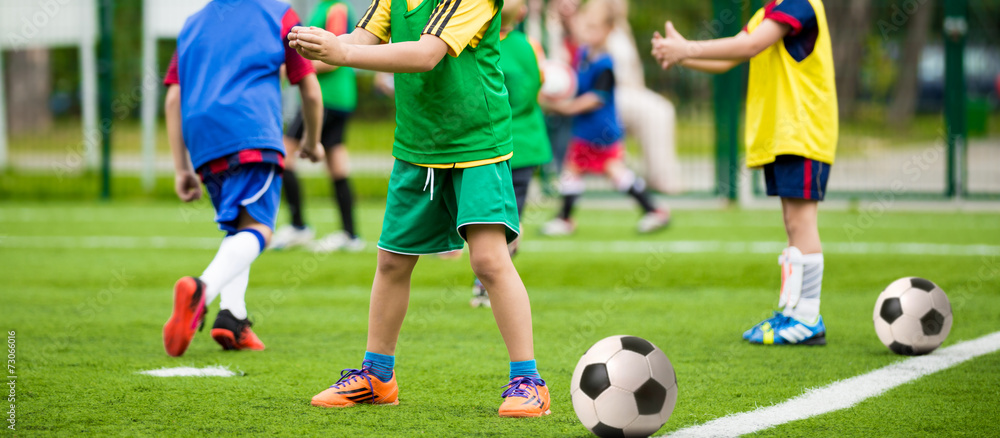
(560, 45)
(597, 145)
(224, 127)
(340, 98)
(451, 180)
(523, 78)
(792, 131)
(648, 117)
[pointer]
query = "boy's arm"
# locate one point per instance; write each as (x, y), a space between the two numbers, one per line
(451, 28)
(590, 101)
(186, 182)
(714, 66)
(406, 57)
(312, 117)
(585, 103)
(674, 48)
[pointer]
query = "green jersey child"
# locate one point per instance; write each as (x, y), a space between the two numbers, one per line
(523, 78)
(451, 180)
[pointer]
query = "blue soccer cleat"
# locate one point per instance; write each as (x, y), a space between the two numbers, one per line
(772, 320)
(785, 330)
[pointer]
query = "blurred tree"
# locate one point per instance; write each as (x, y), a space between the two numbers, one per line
(904, 97)
(28, 90)
(850, 23)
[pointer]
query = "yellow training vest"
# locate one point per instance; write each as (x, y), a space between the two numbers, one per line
(791, 105)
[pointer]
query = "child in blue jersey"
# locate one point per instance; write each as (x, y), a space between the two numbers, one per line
(224, 127)
(597, 145)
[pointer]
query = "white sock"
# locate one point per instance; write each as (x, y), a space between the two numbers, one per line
(234, 295)
(803, 286)
(235, 255)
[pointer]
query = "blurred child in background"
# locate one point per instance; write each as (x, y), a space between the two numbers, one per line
(597, 145)
(522, 75)
(340, 98)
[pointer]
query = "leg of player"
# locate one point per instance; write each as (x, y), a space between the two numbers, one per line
(338, 166)
(526, 394)
(298, 233)
(805, 255)
(521, 179)
(375, 382)
(232, 326)
(193, 295)
(627, 182)
(799, 321)
(571, 186)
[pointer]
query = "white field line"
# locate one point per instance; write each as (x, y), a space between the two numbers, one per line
(534, 246)
(215, 371)
(845, 393)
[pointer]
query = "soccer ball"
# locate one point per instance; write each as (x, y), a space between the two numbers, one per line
(912, 316)
(624, 386)
(560, 81)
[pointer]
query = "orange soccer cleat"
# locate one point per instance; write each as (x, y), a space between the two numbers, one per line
(187, 317)
(358, 386)
(525, 397)
(235, 334)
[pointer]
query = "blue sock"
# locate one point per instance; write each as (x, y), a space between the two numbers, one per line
(381, 365)
(526, 368)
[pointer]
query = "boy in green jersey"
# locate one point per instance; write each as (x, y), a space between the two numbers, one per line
(340, 98)
(523, 78)
(451, 180)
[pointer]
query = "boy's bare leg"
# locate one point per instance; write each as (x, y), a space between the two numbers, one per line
(509, 298)
(389, 301)
(338, 162)
(247, 222)
(801, 224)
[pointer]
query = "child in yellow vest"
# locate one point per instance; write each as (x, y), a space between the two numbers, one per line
(791, 132)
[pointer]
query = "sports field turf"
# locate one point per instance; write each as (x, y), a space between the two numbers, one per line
(86, 287)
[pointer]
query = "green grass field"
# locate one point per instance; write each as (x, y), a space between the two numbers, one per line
(87, 290)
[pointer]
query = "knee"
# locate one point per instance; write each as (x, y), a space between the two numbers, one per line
(489, 266)
(394, 265)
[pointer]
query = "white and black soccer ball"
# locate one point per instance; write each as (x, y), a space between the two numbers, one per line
(624, 386)
(912, 316)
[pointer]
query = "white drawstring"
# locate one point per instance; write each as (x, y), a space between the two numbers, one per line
(430, 181)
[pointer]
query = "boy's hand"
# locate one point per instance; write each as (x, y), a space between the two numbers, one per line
(670, 49)
(311, 150)
(187, 185)
(555, 107)
(317, 44)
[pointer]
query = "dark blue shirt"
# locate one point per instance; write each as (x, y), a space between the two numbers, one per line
(601, 127)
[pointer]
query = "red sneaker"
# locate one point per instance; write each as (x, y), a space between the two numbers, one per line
(187, 317)
(235, 334)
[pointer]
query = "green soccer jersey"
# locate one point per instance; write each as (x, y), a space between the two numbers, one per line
(523, 78)
(340, 88)
(458, 112)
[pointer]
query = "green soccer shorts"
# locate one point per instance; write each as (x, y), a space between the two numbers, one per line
(427, 209)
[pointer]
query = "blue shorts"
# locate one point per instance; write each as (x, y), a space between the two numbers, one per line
(255, 187)
(792, 176)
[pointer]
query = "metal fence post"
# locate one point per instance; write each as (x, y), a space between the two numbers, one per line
(105, 63)
(956, 27)
(728, 89)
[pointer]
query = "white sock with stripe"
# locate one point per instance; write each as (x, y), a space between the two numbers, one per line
(234, 295)
(802, 283)
(235, 255)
